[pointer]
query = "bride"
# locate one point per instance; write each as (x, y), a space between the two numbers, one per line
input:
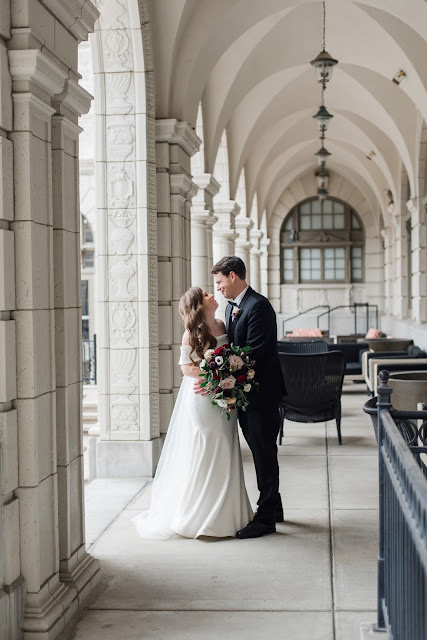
(199, 489)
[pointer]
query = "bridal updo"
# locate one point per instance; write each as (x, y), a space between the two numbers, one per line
(193, 315)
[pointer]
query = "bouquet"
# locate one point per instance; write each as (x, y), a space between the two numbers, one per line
(228, 373)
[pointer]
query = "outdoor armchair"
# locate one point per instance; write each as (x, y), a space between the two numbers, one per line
(313, 385)
(309, 346)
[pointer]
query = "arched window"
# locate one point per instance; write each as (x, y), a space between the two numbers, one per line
(322, 241)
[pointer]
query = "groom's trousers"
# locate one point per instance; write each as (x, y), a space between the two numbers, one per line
(260, 427)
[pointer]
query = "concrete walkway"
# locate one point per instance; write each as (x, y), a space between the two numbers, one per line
(315, 579)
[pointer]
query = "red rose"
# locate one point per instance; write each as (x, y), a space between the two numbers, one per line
(218, 352)
(241, 378)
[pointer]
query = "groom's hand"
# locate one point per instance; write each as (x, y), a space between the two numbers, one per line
(201, 391)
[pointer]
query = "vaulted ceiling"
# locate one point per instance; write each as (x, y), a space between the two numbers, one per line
(246, 63)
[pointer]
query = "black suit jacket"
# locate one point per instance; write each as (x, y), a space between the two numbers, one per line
(256, 327)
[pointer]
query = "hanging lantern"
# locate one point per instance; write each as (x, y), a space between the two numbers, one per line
(322, 193)
(322, 155)
(324, 63)
(322, 177)
(323, 116)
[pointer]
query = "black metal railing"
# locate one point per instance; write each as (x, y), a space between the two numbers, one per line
(89, 361)
(402, 557)
(354, 308)
(297, 315)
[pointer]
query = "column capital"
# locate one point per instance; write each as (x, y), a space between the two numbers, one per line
(256, 234)
(31, 67)
(229, 207)
(73, 98)
(244, 223)
(78, 16)
(203, 218)
(208, 183)
(180, 133)
(181, 184)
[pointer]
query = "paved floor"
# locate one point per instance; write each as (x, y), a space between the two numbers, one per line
(315, 579)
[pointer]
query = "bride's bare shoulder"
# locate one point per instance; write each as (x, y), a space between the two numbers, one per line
(220, 326)
(185, 338)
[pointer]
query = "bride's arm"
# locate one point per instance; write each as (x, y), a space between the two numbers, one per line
(188, 368)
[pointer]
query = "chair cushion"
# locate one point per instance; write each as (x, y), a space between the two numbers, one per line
(415, 352)
(353, 367)
(306, 333)
(373, 333)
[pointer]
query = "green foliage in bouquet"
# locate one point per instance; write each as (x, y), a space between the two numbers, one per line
(228, 373)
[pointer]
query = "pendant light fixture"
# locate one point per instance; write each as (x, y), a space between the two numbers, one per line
(323, 64)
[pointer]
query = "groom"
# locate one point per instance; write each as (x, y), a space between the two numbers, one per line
(251, 321)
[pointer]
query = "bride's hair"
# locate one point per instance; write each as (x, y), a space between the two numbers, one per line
(193, 315)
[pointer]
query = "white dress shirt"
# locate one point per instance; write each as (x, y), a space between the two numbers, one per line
(238, 299)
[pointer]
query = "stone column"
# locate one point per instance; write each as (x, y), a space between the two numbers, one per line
(256, 236)
(202, 221)
(77, 568)
(419, 259)
(243, 243)
(12, 586)
(265, 242)
(224, 236)
(400, 283)
(36, 79)
(176, 143)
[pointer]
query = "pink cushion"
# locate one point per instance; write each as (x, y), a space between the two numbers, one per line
(373, 333)
(306, 333)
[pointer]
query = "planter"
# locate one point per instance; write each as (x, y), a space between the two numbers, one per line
(387, 344)
(409, 388)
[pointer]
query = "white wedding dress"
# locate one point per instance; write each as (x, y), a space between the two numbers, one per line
(199, 488)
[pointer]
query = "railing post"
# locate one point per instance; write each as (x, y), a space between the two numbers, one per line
(94, 359)
(383, 404)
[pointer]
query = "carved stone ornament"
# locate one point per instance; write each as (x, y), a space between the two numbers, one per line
(121, 237)
(120, 139)
(124, 321)
(121, 185)
(124, 414)
(122, 279)
(117, 48)
(117, 96)
(122, 365)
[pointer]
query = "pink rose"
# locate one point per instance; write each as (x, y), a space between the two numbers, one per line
(227, 383)
(235, 362)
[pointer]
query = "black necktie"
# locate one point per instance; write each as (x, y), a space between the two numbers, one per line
(231, 321)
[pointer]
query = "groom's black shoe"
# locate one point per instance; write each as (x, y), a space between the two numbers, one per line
(255, 530)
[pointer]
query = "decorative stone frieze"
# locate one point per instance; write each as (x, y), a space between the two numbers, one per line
(127, 268)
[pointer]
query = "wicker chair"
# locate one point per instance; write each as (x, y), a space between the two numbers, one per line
(313, 388)
(309, 346)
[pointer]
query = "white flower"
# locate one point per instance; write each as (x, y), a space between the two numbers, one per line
(209, 353)
(250, 374)
(202, 364)
(222, 403)
(247, 387)
(219, 360)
